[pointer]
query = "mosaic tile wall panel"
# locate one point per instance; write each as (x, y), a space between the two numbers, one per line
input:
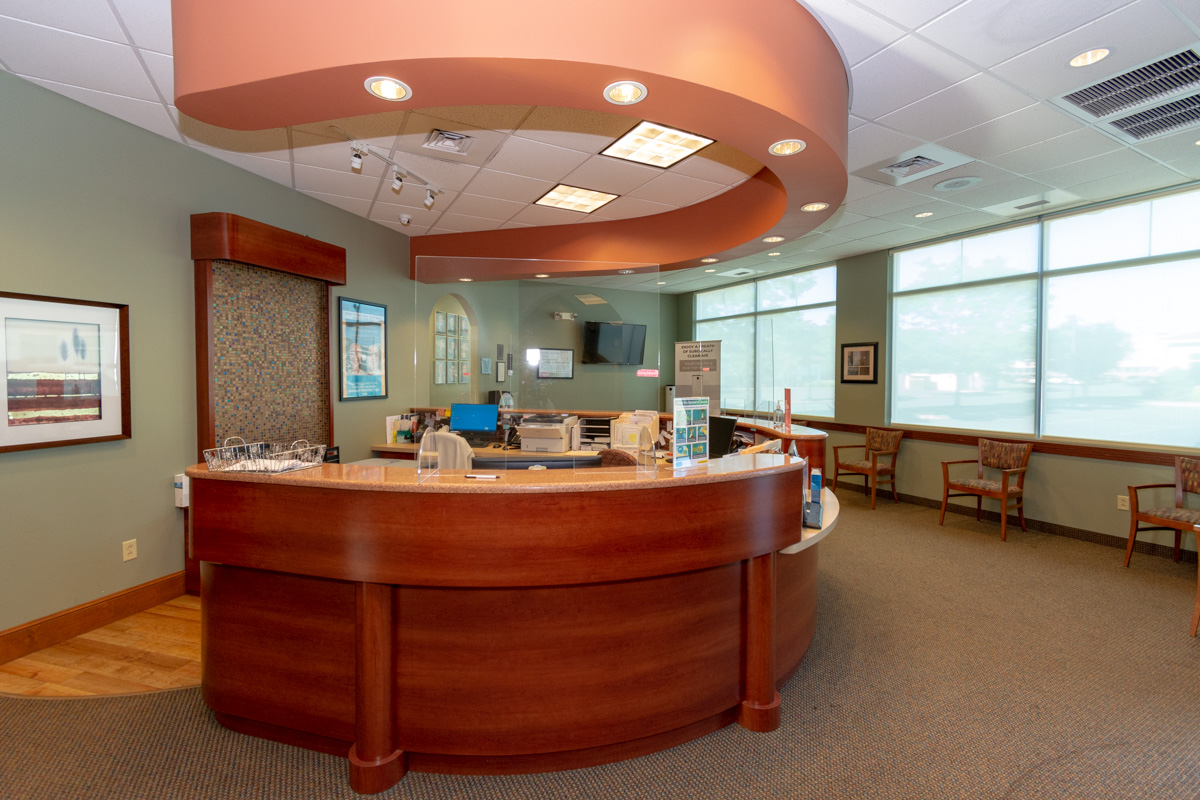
(270, 355)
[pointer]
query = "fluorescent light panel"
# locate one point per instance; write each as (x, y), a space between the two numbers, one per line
(656, 145)
(574, 198)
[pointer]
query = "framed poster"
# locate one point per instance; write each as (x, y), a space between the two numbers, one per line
(464, 327)
(439, 372)
(485, 366)
(439, 347)
(464, 372)
(451, 372)
(439, 322)
(451, 348)
(860, 362)
(556, 363)
(452, 324)
(362, 349)
(66, 372)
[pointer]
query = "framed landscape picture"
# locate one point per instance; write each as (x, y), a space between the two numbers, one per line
(66, 372)
(362, 349)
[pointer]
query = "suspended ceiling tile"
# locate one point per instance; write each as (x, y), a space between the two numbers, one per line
(879, 204)
(37, 52)
(857, 188)
(575, 129)
(511, 224)
(546, 215)
(904, 73)
(532, 159)
(148, 23)
(630, 207)
(1173, 146)
(858, 33)
(975, 169)
(454, 177)
(675, 190)
(871, 144)
(979, 99)
(991, 31)
(838, 219)
(328, 181)
(1091, 169)
(462, 223)
(411, 229)
(504, 186)
(418, 128)
(611, 175)
(379, 130)
(1064, 149)
(412, 197)
(1018, 129)
(718, 163)
(162, 72)
(905, 235)
(485, 207)
(908, 215)
(964, 221)
(390, 212)
(1187, 166)
(1190, 9)
(990, 194)
(1154, 177)
(142, 113)
(911, 14)
(278, 171)
(265, 144)
(354, 205)
(868, 227)
(86, 17)
(1139, 33)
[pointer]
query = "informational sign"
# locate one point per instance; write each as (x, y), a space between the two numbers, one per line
(691, 432)
(698, 372)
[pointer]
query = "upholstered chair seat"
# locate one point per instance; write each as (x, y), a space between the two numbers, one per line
(882, 448)
(1011, 459)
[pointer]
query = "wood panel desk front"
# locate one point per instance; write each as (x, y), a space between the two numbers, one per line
(545, 620)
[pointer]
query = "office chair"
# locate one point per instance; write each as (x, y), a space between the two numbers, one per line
(880, 443)
(1011, 459)
(453, 451)
(1167, 518)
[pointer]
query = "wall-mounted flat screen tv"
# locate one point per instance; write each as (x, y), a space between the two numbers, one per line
(613, 343)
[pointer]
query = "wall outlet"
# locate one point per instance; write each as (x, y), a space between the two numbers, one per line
(129, 550)
(1122, 502)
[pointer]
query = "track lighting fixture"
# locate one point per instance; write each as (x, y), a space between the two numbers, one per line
(359, 149)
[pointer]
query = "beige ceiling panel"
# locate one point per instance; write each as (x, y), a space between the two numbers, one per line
(328, 181)
(412, 229)
(352, 204)
(454, 177)
(412, 196)
(142, 113)
(511, 224)
(462, 223)
(503, 186)
(391, 213)
(536, 160)
(545, 215)
(574, 128)
(612, 175)
(319, 151)
(419, 129)
(676, 190)
(377, 129)
(485, 207)
(278, 171)
(630, 207)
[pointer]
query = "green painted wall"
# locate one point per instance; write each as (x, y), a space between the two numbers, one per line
(94, 208)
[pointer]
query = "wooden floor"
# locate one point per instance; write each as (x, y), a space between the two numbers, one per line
(156, 649)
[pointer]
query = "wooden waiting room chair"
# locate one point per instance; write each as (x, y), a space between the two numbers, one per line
(1178, 518)
(880, 444)
(1011, 459)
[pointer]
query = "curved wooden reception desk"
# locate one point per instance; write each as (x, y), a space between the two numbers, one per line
(540, 621)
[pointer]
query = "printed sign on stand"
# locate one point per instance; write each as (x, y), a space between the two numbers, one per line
(691, 432)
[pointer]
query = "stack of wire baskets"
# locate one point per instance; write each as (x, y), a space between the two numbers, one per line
(263, 457)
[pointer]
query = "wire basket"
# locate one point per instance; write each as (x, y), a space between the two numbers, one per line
(263, 457)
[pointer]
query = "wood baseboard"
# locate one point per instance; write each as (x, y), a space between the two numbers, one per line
(55, 628)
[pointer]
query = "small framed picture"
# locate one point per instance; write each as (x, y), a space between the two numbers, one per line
(451, 348)
(439, 347)
(485, 366)
(439, 372)
(451, 372)
(464, 327)
(452, 324)
(362, 345)
(860, 362)
(464, 372)
(439, 322)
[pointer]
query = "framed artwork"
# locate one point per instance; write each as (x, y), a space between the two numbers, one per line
(451, 348)
(66, 372)
(439, 347)
(464, 327)
(451, 372)
(464, 372)
(485, 366)
(439, 372)
(860, 362)
(439, 322)
(452, 324)
(556, 363)
(362, 349)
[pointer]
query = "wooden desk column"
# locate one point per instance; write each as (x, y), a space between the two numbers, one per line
(760, 701)
(376, 761)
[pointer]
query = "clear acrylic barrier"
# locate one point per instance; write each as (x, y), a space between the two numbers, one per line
(560, 347)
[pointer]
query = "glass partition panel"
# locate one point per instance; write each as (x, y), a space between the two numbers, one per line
(566, 352)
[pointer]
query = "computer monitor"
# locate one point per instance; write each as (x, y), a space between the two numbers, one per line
(524, 460)
(474, 417)
(720, 435)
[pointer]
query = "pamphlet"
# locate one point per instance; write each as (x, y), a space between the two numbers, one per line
(691, 432)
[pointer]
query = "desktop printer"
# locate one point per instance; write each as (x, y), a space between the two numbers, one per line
(549, 433)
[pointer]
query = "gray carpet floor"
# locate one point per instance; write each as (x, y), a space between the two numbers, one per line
(946, 664)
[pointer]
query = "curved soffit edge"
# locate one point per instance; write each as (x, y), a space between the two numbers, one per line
(746, 74)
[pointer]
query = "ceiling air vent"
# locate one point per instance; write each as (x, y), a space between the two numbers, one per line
(448, 142)
(1137, 87)
(740, 272)
(1160, 119)
(911, 165)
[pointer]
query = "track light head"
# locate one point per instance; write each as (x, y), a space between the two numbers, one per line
(397, 179)
(356, 161)
(428, 199)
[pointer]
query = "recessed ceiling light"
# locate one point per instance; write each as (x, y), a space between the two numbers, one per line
(814, 207)
(954, 184)
(624, 272)
(715, 260)
(787, 147)
(776, 253)
(541, 275)
(772, 239)
(1089, 58)
(662, 283)
(466, 280)
(387, 88)
(923, 214)
(625, 93)
(575, 199)
(656, 145)
(710, 270)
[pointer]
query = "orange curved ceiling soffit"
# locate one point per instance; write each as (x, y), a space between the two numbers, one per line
(746, 74)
